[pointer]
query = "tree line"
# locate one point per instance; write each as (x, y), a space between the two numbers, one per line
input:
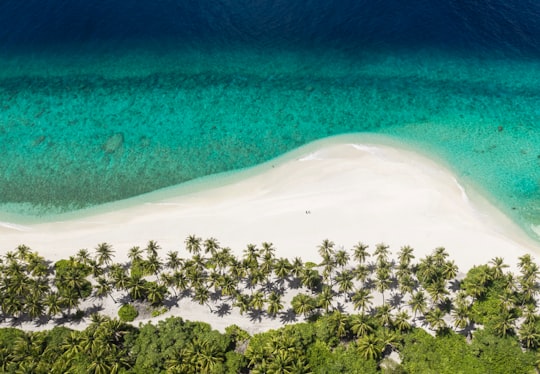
(358, 305)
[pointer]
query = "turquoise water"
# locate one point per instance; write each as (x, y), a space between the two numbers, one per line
(77, 130)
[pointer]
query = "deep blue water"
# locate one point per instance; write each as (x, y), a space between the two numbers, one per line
(103, 100)
(509, 26)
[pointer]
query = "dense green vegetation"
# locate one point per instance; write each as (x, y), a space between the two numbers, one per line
(355, 311)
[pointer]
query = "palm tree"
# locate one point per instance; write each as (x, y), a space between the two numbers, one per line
(96, 268)
(370, 347)
(251, 256)
(405, 256)
(326, 249)
(390, 340)
(440, 255)
(504, 324)
(340, 322)
(384, 314)
(418, 303)
(228, 285)
(155, 293)
(360, 325)
(243, 303)
(193, 244)
(83, 256)
(152, 248)
(449, 270)
(475, 283)
(401, 321)
(69, 300)
(72, 345)
(461, 316)
(361, 273)
(406, 284)
(22, 252)
(282, 268)
(103, 288)
(529, 288)
(53, 303)
(529, 335)
(173, 261)
(119, 278)
(104, 253)
(529, 314)
(311, 279)
(255, 277)
(325, 298)
(498, 267)
(180, 281)
(297, 267)
(507, 300)
(344, 281)
(268, 249)
(361, 299)
(201, 295)
(71, 280)
(35, 306)
(435, 319)
(237, 270)
(437, 291)
(282, 362)
(524, 261)
(383, 280)
(302, 304)
(257, 301)
(135, 255)
(153, 264)
(381, 252)
(100, 362)
(221, 259)
(37, 265)
(341, 258)
(211, 245)
(274, 304)
(136, 287)
(360, 253)
(267, 265)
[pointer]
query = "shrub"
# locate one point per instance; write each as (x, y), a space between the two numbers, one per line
(64, 267)
(127, 313)
(159, 311)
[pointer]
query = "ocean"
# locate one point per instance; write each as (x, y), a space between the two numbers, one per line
(104, 100)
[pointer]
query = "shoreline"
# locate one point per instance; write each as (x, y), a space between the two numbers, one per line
(351, 184)
(344, 190)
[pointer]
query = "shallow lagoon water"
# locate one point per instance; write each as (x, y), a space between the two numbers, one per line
(85, 123)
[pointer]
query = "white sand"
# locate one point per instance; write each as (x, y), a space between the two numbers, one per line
(354, 192)
(369, 193)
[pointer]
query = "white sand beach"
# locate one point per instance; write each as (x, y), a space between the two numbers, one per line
(345, 189)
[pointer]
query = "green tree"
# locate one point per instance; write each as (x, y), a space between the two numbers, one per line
(360, 253)
(435, 319)
(104, 253)
(418, 303)
(361, 300)
(361, 325)
(274, 304)
(193, 244)
(303, 304)
(370, 347)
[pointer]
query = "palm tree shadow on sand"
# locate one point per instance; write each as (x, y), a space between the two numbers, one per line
(223, 309)
(255, 315)
(288, 316)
